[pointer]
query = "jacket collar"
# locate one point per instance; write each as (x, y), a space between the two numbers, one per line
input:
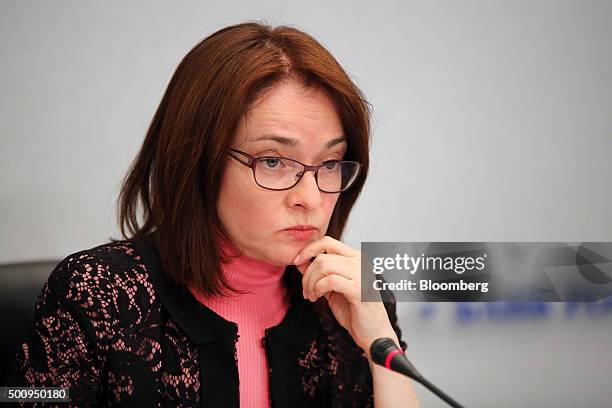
(202, 325)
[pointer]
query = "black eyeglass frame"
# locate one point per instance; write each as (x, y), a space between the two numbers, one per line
(251, 161)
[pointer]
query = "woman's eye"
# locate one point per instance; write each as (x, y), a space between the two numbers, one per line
(272, 162)
(330, 164)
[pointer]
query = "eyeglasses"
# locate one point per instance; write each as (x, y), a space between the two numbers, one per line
(280, 173)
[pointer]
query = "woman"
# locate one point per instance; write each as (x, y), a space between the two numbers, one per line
(231, 287)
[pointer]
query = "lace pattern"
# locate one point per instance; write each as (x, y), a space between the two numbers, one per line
(100, 329)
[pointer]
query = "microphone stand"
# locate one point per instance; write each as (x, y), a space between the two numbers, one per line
(387, 354)
(438, 392)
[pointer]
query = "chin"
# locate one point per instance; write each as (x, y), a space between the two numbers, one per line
(283, 256)
(284, 260)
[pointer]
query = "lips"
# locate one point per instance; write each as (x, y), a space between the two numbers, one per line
(301, 228)
(301, 235)
(301, 232)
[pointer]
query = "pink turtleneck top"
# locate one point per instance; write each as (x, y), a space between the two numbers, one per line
(264, 306)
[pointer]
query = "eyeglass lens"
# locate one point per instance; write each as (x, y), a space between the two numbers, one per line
(279, 173)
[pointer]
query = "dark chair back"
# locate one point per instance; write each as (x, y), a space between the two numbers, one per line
(20, 285)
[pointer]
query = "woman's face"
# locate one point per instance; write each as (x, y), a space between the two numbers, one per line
(297, 123)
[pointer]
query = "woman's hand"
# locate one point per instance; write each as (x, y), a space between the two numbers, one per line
(336, 274)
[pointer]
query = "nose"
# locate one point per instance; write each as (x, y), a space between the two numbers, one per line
(306, 193)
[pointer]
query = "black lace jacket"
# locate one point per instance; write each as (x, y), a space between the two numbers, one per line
(113, 329)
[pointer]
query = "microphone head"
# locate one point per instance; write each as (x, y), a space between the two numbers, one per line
(386, 353)
(380, 349)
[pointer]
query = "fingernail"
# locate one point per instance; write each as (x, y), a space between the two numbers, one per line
(297, 259)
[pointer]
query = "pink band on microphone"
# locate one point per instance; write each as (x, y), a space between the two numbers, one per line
(390, 357)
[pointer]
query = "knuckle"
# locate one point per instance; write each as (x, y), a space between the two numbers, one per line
(333, 281)
(319, 285)
(323, 263)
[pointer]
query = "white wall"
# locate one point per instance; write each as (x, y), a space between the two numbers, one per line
(493, 122)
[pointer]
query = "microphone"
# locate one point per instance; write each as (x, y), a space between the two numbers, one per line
(386, 353)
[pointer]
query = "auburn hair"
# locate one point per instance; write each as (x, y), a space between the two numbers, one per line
(175, 178)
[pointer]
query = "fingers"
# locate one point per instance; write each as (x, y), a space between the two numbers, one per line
(339, 284)
(326, 244)
(324, 265)
(303, 267)
(327, 257)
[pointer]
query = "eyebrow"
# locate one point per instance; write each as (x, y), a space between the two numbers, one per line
(289, 141)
